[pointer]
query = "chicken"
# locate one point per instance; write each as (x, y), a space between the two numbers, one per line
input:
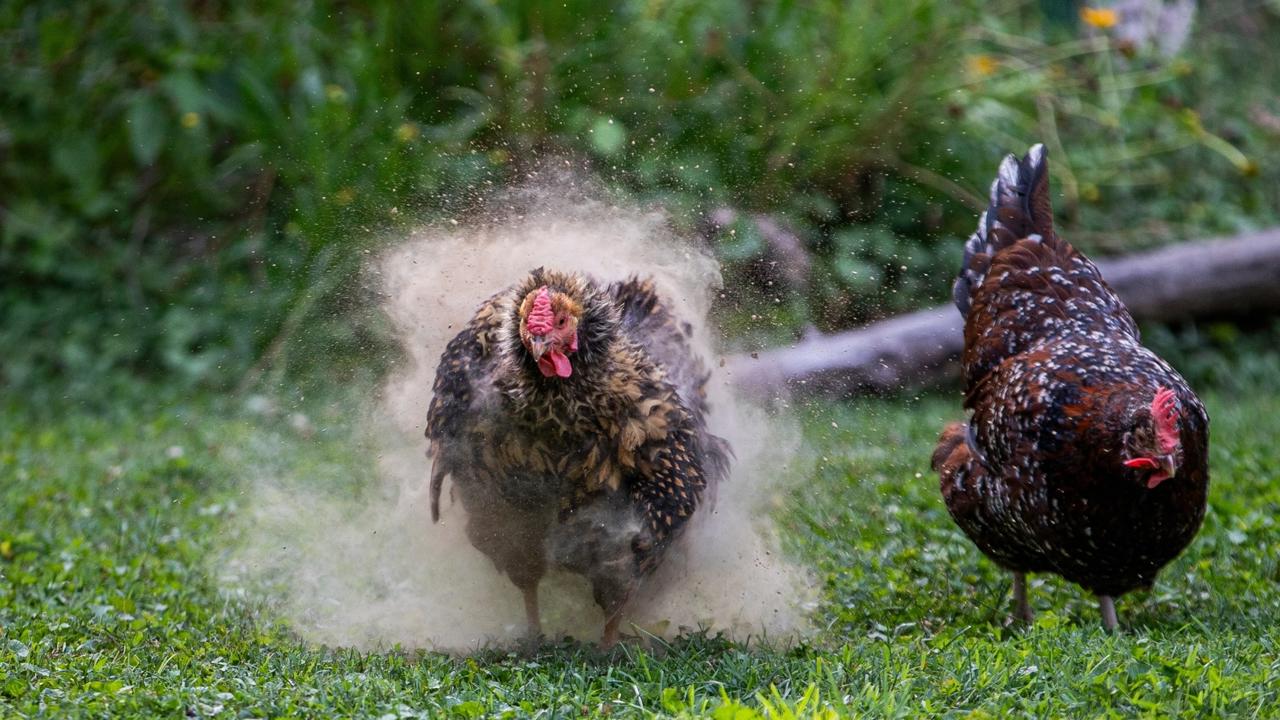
(1085, 454)
(571, 419)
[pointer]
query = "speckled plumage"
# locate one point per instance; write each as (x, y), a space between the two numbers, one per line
(596, 472)
(1059, 386)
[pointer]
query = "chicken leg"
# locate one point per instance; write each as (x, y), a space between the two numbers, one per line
(612, 598)
(1022, 607)
(515, 541)
(531, 615)
(609, 637)
(1107, 605)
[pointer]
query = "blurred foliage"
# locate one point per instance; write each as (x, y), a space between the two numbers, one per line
(188, 188)
(1239, 357)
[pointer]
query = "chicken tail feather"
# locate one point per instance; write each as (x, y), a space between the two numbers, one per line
(719, 456)
(437, 483)
(1019, 209)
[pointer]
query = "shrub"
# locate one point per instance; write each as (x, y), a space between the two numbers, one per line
(188, 188)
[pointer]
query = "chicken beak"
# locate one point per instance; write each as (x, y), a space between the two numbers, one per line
(538, 347)
(1166, 466)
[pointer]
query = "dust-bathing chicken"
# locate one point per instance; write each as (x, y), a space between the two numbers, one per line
(571, 418)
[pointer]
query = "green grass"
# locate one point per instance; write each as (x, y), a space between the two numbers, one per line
(107, 605)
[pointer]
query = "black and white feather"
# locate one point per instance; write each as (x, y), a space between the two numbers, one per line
(1015, 213)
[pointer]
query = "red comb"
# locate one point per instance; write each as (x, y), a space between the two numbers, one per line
(541, 319)
(1165, 411)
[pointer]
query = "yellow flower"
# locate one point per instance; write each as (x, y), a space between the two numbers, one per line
(1101, 18)
(335, 93)
(190, 120)
(982, 65)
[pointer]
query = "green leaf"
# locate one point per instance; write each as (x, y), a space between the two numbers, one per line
(741, 242)
(186, 92)
(607, 135)
(857, 273)
(15, 688)
(469, 709)
(146, 122)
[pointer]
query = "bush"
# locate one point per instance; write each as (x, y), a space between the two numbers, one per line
(179, 179)
(188, 188)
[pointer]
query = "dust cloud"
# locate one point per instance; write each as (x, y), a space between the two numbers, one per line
(368, 569)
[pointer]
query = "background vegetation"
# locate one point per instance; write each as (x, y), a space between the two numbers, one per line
(186, 185)
(188, 189)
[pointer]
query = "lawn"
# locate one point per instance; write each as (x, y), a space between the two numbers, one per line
(110, 514)
(190, 195)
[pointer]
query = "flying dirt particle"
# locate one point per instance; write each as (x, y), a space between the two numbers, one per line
(367, 568)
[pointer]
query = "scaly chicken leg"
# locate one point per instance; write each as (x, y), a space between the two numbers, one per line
(1107, 605)
(532, 617)
(610, 636)
(1020, 598)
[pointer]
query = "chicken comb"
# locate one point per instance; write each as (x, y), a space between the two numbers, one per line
(1165, 411)
(541, 319)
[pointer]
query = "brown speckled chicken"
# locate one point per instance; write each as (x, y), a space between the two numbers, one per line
(1085, 454)
(570, 417)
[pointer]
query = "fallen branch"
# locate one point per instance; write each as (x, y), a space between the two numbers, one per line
(785, 259)
(1215, 277)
